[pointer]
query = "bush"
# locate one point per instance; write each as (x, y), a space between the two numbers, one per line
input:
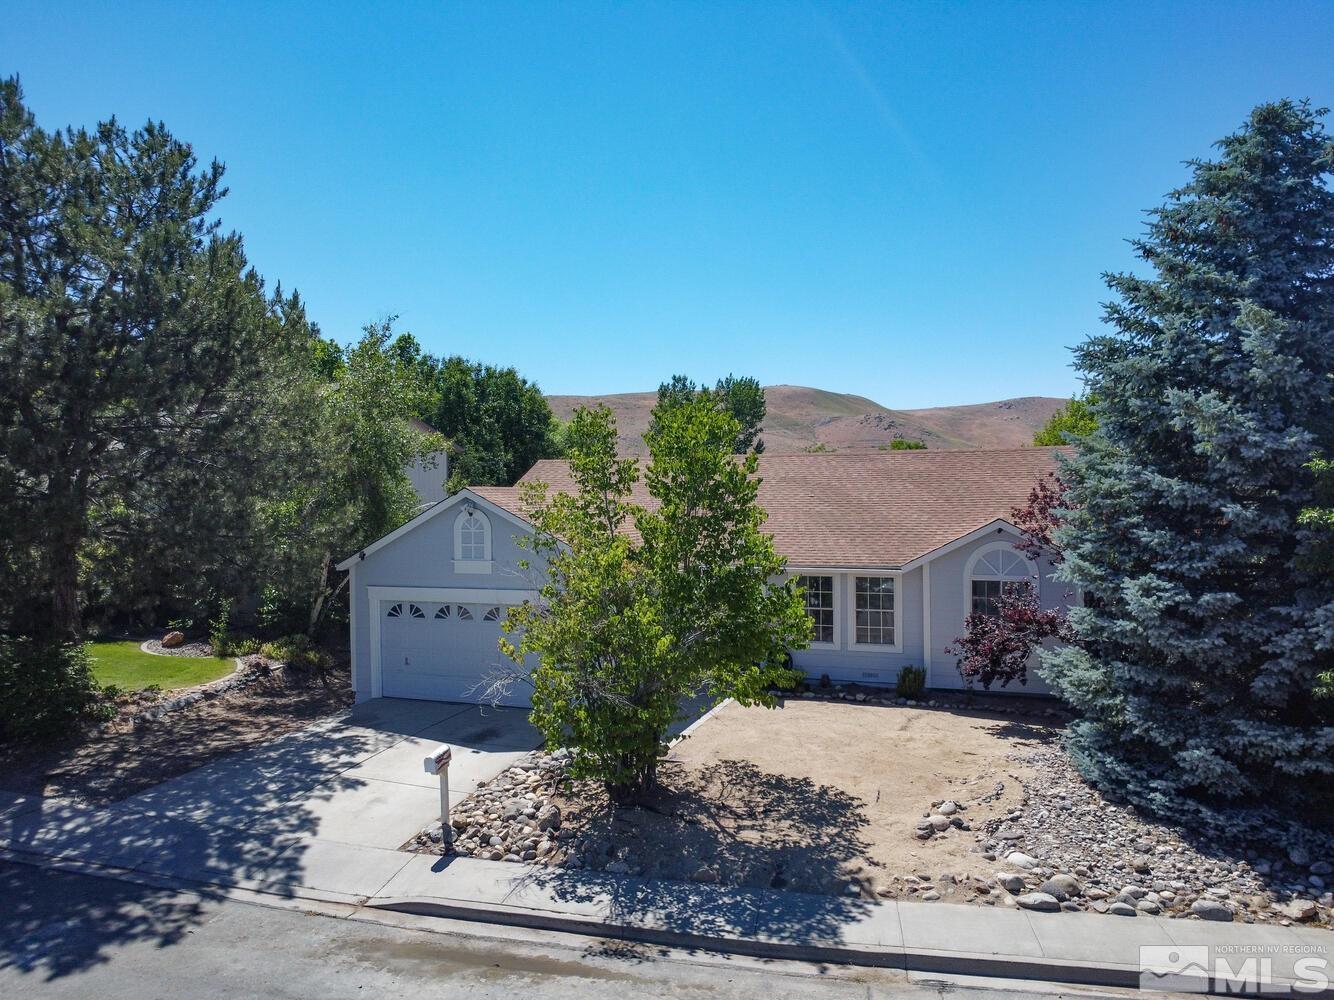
(911, 683)
(46, 688)
(296, 651)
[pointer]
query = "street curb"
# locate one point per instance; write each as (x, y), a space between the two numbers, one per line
(906, 959)
(379, 909)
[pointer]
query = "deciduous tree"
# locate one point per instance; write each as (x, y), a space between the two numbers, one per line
(643, 609)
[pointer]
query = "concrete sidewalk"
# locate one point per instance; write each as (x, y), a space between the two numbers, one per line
(921, 937)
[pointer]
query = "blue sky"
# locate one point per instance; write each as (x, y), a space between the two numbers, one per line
(913, 202)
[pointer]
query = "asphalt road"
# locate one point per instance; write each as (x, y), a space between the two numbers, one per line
(68, 935)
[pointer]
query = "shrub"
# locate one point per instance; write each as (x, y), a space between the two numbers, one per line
(296, 651)
(219, 629)
(46, 688)
(997, 647)
(911, 683)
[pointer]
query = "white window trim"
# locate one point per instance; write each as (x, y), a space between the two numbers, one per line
(474, 566)
(472, 510)
(851, 613)
(1034, 576)
(431, 595)
(838, 606)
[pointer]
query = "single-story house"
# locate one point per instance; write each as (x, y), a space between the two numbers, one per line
(894, 550)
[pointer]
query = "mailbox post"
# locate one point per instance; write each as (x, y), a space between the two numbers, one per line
(438, 763)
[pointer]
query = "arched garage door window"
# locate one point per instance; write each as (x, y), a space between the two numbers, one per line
(993, 570)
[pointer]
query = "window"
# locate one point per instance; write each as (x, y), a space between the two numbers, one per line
(820, 605)
(442, 611)
(874, 611)
(492, 615)
(472, 537)
(986, 595)
(993, 571)
(465, 614)
(415, 611)
(395, 612)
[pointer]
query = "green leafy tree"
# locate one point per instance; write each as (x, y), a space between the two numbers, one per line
(741, 397)
(360, 445)
(639, 609)
(144, 371)
(1074, 420)
(1204, 631)
(904, 444)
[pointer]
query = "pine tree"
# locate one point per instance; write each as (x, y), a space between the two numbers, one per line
(145, 373)
(1205, 628)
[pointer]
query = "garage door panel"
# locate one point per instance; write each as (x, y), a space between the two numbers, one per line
(447, 653)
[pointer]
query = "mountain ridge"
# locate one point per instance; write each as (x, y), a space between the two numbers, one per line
(804, 418)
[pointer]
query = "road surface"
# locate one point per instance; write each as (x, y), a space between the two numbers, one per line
(72, 935)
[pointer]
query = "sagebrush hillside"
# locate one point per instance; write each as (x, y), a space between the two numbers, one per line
(801, 417)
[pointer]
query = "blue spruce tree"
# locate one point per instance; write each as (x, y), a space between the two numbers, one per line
(1207, 625)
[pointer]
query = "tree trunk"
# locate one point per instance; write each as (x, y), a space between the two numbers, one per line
(63, 565)
(321, 596)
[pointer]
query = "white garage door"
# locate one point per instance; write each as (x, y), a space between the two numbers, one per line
(442, 652)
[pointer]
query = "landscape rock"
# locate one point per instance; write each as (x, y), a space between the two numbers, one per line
(1209, 909)
(1042, 901)
(172, 639)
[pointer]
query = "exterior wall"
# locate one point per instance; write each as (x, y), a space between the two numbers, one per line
(429, 480)
(951, 597)
(424, 557)
(924, 633)
(847, 663)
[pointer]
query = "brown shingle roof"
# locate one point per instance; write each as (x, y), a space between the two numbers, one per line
(863, 509)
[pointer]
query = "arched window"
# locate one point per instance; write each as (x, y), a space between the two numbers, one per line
(465, 614)
(472, 536)
(492, 615)
(993, 570)
(415, 611)
(442, 611)
(395, 612)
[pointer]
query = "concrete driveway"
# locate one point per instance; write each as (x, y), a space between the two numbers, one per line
(323, 808)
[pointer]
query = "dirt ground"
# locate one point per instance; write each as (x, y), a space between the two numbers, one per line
(99, 767)
(817, 797)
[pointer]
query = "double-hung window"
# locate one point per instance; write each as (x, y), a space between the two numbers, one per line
(873, 611)
(819, 595)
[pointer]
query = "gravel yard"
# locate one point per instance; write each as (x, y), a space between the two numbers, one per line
(966, 804)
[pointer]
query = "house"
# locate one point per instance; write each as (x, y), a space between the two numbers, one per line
(894, 549)
(429, 473)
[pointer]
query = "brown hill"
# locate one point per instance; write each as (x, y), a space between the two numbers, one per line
(802, 418)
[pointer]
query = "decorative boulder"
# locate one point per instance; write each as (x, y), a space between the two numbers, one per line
(172, 639)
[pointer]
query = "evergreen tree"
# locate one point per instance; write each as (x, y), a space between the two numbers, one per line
(144, 371)
(1205, 628)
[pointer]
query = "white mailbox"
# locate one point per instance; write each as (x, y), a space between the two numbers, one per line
(438, 763)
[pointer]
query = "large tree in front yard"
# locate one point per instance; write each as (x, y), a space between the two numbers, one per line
(644, 608)
(1206, 626)
(145, 372)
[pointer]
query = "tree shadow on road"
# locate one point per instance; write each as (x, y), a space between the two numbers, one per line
(246, 820)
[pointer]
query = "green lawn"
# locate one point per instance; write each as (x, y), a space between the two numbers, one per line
(126, 666)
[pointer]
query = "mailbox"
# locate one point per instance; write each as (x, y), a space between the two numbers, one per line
(437, 761)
